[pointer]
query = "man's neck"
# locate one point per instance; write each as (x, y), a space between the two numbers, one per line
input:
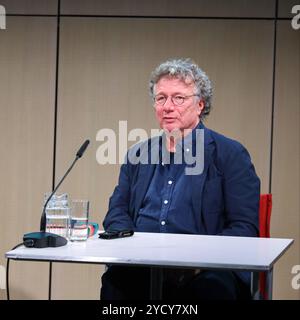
(173, 137)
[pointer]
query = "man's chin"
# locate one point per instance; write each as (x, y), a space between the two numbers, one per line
(172, 130)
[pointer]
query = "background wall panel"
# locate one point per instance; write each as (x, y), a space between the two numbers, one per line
(30, 6)
(104, 70)
(285, 8)
(27, 83)
(202, 8)
(286, 168)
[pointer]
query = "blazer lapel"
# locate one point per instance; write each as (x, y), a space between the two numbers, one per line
(199, 180)
(146, 172)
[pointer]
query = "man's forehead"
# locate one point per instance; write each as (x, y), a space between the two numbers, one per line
(175, 80)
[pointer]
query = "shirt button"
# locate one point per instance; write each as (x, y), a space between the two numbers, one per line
(170, 182)
(187, 150)
(166, 201)
(163, 223)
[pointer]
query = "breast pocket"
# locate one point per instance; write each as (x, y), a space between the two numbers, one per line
(213, 199)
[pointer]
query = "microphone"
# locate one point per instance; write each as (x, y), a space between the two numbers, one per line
(81, 151)
(44, 239)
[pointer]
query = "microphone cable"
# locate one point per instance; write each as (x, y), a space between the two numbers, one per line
(7, 271)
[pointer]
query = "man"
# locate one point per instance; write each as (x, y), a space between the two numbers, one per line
(220, 198)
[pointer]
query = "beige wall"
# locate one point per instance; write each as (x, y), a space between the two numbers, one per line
(27, 83)
(104, 65)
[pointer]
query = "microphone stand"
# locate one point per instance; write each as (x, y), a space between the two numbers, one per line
(44, 239)
(43, 217)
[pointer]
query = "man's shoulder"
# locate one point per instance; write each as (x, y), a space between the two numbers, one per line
(224, 143)
(229, 153)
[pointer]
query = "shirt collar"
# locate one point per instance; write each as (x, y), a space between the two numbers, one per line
(187, 144)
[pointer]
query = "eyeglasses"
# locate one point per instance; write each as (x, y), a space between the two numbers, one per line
(177, 100)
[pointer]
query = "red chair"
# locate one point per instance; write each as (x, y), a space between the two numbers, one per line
(265, 208)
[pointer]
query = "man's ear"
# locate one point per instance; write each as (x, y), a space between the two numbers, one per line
(200, 107)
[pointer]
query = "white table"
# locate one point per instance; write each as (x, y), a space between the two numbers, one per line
(158, 250)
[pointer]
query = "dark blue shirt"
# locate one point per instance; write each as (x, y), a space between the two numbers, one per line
(167, 205)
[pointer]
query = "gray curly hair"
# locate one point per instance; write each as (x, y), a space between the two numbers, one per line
(185, 69)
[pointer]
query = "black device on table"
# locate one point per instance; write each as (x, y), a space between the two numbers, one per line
(114, 234)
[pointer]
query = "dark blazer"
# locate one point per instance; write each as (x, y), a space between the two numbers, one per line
(226, 193)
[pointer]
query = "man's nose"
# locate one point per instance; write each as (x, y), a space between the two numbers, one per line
(169, 105)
